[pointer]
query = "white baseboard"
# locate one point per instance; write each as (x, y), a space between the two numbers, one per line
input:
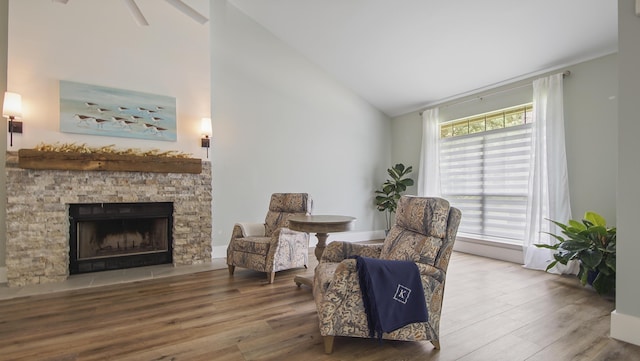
(221, 251)
(501, 251)
(625, 328)
(3, 274)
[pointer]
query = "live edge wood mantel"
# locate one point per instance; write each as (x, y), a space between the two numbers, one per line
(37, 159)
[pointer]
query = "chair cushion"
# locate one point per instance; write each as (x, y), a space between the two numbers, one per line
(421, 224)
(405, 245)
(275, 220)
(290, 203)
(255, 245)
(282, 206)
(427, 216)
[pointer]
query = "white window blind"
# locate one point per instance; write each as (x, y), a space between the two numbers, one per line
(485, 174)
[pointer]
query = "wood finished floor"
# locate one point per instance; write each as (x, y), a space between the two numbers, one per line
(492, 311)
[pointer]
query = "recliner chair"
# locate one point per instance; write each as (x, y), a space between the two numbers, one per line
(271, 246)
(424, 233)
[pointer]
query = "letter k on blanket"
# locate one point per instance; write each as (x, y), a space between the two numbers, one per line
(392, 294)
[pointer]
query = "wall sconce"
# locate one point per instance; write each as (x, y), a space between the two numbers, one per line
(205, 129)
(12, 109)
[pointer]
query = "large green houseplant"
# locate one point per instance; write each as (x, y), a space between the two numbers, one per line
(387, 197)
(593, 245)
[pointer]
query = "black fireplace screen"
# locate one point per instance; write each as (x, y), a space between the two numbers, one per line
(97, 239)
(107, 236)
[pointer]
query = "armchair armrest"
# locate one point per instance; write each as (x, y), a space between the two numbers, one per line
(349, 265)
(344, 282)
(250, 229)
(288, 247)
(287, 233)
(341, 282)
(338, 250)
(344, 279)
(431, 272)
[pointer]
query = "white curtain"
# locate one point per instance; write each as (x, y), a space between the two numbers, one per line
(548, 196)
(429, 172)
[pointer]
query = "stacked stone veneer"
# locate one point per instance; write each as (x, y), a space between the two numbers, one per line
(37, 243)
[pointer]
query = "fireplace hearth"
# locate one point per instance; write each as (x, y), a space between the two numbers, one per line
(107, 236)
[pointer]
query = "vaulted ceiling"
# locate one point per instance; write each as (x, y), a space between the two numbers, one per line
(401, 55)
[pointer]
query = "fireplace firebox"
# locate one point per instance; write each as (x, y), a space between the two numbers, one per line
(108, 236)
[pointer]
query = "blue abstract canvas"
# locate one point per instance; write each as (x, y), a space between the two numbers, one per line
(97, 110)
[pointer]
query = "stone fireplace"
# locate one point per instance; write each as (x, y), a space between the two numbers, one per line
(38, 218)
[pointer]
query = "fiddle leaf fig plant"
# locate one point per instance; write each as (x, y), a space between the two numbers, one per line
(388, 196)
(593, 244)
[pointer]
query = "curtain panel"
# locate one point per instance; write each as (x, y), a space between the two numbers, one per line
(429, 172)
(548, 196)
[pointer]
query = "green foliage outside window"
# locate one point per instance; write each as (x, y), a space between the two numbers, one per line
(505, 118)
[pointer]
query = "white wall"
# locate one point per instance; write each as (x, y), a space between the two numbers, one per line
(281, 124)
(98, 42)
(590, 126)
(625, 320)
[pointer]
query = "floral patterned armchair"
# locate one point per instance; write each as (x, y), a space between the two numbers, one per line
(271, 246)
(424, 233)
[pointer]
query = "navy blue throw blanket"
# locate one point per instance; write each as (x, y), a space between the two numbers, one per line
(392, 294)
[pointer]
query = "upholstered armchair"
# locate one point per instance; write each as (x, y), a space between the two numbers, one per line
(423, 233)
(271, 246)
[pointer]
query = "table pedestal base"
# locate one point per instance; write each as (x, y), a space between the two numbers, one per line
(299, 280)
(322, 244)
(321, 225)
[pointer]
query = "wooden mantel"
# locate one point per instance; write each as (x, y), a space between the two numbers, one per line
(36, 159)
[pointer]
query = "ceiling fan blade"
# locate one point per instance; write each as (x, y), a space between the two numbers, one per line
(188, 10)
(137, 14)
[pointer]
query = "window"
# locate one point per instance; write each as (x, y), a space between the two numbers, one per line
(484, 171)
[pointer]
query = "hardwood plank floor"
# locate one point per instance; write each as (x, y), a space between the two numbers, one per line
(492, 311)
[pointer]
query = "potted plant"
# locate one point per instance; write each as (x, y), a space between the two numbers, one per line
(593, 245)
(387, 197)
